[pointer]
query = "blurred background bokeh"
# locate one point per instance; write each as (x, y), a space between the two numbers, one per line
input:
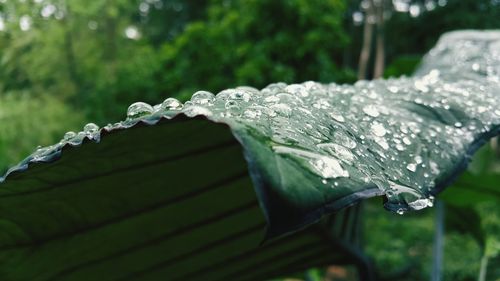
(64, 63)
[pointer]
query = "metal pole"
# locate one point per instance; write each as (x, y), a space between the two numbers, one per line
(437, 261)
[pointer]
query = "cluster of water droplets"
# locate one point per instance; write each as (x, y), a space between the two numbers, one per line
(401, 135)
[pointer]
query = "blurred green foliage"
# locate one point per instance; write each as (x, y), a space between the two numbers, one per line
(66, 62)
(85, 58)
(402, 65)
(257, 43)
(25, 121)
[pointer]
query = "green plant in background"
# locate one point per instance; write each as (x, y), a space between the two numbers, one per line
(107, 55)
(26, 120)
(402, 65)
(87, 55)
(242, 43)
(473, 203)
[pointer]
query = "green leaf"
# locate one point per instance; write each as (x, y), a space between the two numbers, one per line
(471, 189)
(133, 201)
(144, 203)
(465, 220)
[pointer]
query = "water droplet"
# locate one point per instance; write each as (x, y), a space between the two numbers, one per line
(233, 108)
(434, 167)
(252, 113)
(406, 141)
(458, 124)
(171, 104)
(371, 110)
(41, 154)
(342, 138)
(378, 129)
(420, 204)
(418, 159)
(383, 143)
(326, 167)
(195, 110)
(322, 104)
(337, 117)
(139, 109)
(202, 98)
(90, 128)
(400, 212)
(329, 167)
(297, 89)
(393, 89)
(411, 167)
(281, 109)
(421, 85)
(240, 95)
(69, 135)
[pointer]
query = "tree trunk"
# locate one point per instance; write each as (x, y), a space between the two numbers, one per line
(380, 51)
(364, 57)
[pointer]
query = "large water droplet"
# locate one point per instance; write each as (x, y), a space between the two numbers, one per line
(297, 89)
(326, 167)
(233, 108)
(139, 109)
(281, 109)
(69, 135)
(329, 167)
(171, 104)
(240, 95)
(421, 203)
(202, 97)
(90, 128)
